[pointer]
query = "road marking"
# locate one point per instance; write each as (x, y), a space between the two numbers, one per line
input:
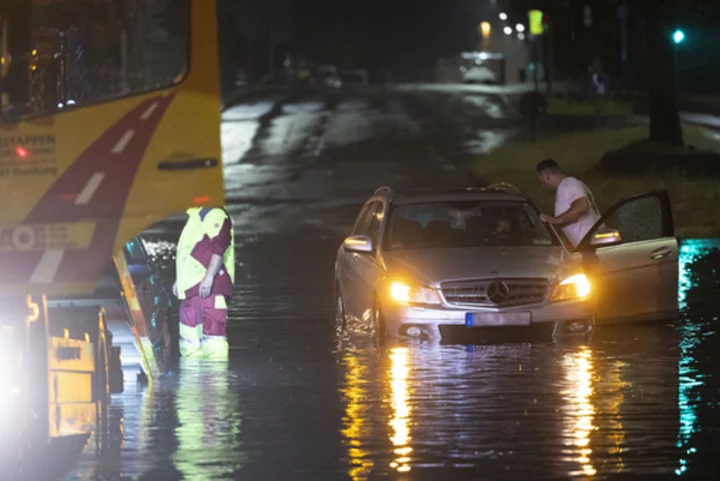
(48, 266)
(92, 185)
(146, 115)
(122, 143)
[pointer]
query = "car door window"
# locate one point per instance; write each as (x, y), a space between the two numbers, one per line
(638, 221)
(361, 223)
(375, 221)
(366, 221)
(642, 218)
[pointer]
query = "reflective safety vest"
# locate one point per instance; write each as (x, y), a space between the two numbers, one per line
(207, 231)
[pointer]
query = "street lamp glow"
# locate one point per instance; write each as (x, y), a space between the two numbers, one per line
(508, 30)
(503, 16)
(678, 36)
(520, 27)
(485, 29)
(521, 36)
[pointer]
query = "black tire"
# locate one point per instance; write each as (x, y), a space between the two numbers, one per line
(379, 324)
(340, 317)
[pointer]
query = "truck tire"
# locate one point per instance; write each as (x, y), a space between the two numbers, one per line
(117, 377)
(101, 386)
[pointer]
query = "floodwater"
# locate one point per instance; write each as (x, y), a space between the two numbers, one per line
(298, 401)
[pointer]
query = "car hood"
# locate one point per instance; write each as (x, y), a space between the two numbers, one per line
(433, 266)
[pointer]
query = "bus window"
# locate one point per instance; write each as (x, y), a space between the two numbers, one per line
(74, 53)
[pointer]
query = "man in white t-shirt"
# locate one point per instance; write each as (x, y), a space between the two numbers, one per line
(575, 209)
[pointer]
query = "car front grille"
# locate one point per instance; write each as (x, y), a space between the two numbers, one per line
(495, 292)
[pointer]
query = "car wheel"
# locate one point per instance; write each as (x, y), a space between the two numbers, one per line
(379, 324)
(340, 318)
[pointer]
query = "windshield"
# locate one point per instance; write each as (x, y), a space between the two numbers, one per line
(466, 224)
(64, 54)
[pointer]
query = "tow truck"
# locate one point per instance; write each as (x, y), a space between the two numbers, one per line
(109, 123)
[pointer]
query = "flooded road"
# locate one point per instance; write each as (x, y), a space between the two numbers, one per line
(299, 401)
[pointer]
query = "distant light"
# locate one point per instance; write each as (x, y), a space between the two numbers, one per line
(678, 36)
(71, 102)
(520, 27)
(21, 152)
(485, 29)
(60, 105)
(521, 36)
(508, 30)
(503, 16)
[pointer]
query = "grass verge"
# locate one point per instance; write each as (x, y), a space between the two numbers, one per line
(695, 199)
(563, 106)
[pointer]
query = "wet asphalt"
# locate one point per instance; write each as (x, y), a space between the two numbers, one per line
(299, 401)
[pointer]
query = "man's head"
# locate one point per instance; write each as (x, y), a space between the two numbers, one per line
(549, 174)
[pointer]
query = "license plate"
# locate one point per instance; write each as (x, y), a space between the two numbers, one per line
(497, 319)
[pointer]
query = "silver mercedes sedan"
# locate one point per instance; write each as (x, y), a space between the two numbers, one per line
(420, 263)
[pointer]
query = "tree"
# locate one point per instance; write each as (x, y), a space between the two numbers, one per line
(662, 89)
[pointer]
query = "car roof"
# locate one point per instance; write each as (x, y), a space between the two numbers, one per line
(504, 193)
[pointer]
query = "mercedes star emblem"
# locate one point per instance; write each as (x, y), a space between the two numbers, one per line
(498, 292)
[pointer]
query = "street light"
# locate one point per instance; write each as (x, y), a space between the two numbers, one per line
(485, 29)
(503, 16)
(678, 36)
(508, 30)
(520, 27)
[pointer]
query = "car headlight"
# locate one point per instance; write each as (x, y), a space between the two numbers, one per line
(572, 288)
(413, 294)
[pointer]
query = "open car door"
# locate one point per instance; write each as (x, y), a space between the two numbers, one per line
(631, 256)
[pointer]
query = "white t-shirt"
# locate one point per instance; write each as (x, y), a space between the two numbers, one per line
(570, 190)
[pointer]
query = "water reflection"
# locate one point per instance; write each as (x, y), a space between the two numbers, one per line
(208, 433)
(698, 266)
(356, 416)
(638, 401)
(688, 381)
(613, 407)
(579, 410)
(399, 422)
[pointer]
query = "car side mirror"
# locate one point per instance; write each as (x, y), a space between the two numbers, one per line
(606, 237)
(359, 243)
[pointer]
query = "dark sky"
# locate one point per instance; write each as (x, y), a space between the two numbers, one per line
(405, 34)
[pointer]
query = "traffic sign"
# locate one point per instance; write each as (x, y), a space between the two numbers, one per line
(536, 22)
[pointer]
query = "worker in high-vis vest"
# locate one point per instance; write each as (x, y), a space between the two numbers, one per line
(205, 273)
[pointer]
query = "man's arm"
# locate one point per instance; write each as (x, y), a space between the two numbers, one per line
(577, 210)
(217, 227)
(216, 262)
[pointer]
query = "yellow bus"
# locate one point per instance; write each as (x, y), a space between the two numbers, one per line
(109, 123)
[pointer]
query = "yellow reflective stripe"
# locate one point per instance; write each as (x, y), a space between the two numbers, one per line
(190, 340)
(215, 348)
(220, 302)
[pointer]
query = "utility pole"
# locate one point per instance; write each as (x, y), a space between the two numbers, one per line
(623, 13)
(549, 55)
(588, 22)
